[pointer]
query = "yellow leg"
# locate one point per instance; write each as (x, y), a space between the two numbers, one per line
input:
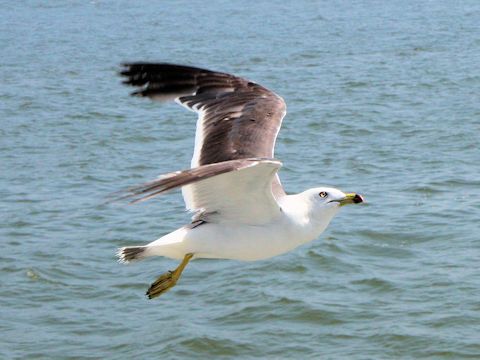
(168, 280)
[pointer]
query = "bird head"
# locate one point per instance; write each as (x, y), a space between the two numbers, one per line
(325, 202)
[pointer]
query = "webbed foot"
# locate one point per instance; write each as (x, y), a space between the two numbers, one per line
(167, 280)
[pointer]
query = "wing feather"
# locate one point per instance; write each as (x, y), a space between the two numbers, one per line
(232, 191)
(237, 118)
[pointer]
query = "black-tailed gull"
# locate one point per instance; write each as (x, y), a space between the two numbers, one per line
(240, 210)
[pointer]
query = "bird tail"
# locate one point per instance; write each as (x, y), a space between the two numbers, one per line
(131, 253)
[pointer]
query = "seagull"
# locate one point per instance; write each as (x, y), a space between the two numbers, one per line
(240, 209)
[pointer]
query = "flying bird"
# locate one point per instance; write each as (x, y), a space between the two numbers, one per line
(240, 209)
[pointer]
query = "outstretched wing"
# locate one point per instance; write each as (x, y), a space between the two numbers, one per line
(238, 119)
(231, 191)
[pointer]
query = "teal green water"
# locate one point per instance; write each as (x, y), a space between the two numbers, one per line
(383, 99)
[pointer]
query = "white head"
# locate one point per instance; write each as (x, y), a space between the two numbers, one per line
(324, 203)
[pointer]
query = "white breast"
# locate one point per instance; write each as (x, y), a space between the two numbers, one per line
(248, 242)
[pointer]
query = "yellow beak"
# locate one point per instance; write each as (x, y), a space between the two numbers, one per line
(351, 198)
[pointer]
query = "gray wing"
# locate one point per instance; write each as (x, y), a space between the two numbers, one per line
(238, 118)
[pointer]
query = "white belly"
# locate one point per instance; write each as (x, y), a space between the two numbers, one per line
(240, 242)
(232, 241)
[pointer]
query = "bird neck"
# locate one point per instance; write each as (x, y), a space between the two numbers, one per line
(308, 220)
(298, 211)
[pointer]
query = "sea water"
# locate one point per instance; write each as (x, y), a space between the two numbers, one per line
(383, 99)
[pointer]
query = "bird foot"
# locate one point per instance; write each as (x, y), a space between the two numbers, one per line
(167, 280)
(163, 283)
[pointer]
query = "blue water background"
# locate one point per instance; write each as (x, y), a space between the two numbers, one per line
(383, 99)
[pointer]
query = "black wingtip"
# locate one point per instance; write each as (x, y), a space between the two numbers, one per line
(138, 93)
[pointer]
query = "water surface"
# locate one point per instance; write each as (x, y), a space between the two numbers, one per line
(383, 99)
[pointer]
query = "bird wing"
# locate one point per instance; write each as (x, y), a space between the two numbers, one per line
(237, 118)
(237, 191)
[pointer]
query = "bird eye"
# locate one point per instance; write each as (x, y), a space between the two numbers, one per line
(322, 194)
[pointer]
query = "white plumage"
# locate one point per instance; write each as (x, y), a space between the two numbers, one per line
(303, 218)
(240, 208)
(242, 197)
